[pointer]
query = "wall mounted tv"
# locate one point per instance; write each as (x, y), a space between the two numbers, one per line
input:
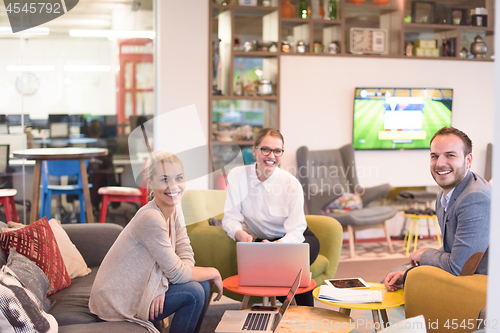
(399, 118)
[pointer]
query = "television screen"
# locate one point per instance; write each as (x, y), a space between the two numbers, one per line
(399, 118)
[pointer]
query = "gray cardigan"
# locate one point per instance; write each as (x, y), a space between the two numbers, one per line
(465, 226)
(140, 265)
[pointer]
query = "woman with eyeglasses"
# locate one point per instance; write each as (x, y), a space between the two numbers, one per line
(266, 204)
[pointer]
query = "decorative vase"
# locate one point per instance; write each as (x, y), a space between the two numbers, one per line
(356, 2)
(381, 2)
(478, 48)
(287, 9)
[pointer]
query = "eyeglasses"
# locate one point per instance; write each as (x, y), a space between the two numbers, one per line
(267, 151)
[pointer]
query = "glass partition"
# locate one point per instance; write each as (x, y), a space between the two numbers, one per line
(81, 80)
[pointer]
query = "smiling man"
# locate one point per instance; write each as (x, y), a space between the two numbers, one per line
(462, 209)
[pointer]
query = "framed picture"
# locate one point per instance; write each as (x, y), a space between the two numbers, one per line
(423, 12)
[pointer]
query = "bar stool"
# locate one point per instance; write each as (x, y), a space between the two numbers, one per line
(120, 194)
(412, 231)
(7, 198)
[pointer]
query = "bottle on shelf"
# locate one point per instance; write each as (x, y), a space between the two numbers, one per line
(303, 8)
(238, 91)
(332, 9)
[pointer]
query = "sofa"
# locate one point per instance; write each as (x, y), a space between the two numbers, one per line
(69, 306)
(445, 299)
(214, 248)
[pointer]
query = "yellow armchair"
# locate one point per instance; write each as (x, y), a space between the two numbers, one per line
(214, 248)
(445, 299)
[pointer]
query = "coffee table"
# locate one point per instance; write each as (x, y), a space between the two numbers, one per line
(232, 284)
(379, 310)
(44, 154)
(303, 319)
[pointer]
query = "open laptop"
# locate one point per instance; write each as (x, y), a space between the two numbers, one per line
(272, 264)
(258, 321)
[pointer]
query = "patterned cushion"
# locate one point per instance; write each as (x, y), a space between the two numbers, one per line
(31, 276)
(117, 190)
(20, 311)
(37, 243)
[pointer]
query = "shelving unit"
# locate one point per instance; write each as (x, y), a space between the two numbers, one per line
(249, 23)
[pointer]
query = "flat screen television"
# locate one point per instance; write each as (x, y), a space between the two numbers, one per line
(399, 118)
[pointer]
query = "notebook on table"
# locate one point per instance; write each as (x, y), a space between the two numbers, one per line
(272, 264)
(258, 321)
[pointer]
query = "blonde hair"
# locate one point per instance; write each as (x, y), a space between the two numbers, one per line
(149, 168)
(268, 131)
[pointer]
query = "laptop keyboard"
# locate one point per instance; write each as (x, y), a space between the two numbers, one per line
(256, 321)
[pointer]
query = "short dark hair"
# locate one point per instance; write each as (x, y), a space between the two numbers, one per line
(268, 131)
(455, 131)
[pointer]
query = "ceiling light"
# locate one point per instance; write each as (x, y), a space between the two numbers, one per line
(31, 68)
(111, 34)
(32, 31)
(87, 68)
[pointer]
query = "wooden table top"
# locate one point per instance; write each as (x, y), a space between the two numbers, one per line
(390, 299)
(232, 284)
(314, 320)
(71, 153)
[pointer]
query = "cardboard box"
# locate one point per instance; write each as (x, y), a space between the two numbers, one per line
(425, 43)
(425, 52)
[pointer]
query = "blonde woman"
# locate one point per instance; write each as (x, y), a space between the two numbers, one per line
(149, 272)
(265, 203)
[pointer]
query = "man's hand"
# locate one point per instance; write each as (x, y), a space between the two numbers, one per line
(394, 280)
(242, 236)
(415, 257)
(156, 307)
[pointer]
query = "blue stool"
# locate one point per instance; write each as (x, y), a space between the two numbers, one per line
(59, 169)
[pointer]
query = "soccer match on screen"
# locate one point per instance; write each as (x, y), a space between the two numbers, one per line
(399, 118)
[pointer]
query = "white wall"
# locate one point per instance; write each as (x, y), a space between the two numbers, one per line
(60, 91)
(317, 104)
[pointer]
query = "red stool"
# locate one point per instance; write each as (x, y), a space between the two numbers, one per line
(121, 194)
(7, 197)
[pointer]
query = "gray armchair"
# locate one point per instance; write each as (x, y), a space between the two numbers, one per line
(325, 175)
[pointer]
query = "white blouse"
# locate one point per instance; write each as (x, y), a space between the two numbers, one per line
(271, 209)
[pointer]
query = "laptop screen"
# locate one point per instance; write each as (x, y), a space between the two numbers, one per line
(286, 302)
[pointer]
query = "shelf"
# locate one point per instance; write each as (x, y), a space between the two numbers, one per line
(238, 142)
(246, 10)
(255, 54)
(369, 9)
(418, 27)
(251, 98)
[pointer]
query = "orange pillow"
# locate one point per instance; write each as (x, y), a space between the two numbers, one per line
(37, 242)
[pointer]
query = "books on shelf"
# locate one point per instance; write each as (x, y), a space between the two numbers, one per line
(332, 294)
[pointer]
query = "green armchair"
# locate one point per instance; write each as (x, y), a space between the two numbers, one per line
(214, 248)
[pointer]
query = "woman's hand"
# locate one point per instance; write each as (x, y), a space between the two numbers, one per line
(211, 274)
(218, 283)
(242, 236)
(156, 307)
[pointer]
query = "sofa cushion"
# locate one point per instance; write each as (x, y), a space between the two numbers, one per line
(20, 310)
(73, 260)
(31, 276)
(71, 305)
(37, 243)
(319, 265)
